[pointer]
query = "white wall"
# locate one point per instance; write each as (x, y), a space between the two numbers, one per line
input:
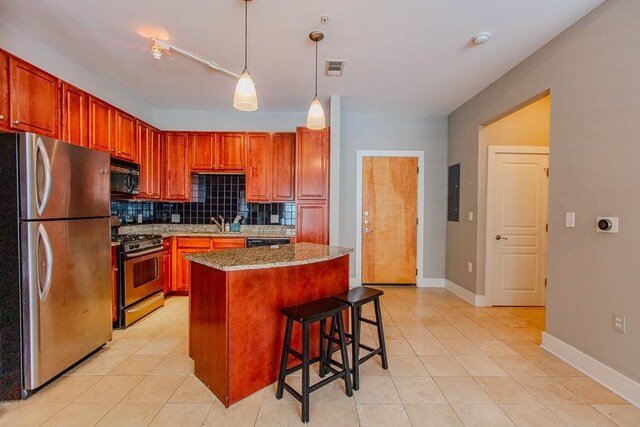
(397, 132)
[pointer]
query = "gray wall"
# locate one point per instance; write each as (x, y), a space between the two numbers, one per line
(397, 132)
(593, 73)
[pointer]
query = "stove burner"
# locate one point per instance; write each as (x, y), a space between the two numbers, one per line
(125, 238)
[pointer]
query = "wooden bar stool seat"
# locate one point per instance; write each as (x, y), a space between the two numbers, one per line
(306, 314)
(355, 299)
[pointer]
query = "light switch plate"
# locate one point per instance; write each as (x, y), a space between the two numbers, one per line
(470, 216)
(570, 220)
(274, 219)
(175, 217)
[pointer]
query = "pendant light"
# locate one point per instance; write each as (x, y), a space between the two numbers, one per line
(245, 97)
(315, 117)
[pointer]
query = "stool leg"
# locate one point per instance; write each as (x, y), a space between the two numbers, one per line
(305, 372)
(355, 345)
(285, 358)
(345, 357)
(329, 348)
(323, 330)
(383, 354)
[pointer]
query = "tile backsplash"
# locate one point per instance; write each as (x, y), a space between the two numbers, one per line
(211, 195)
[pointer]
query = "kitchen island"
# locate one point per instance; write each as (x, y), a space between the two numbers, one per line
(235, 326)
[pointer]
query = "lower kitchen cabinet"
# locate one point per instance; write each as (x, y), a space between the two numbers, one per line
(166, 265)
(312, 222)
(114, 284)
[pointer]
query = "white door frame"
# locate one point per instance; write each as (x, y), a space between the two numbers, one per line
(489, 227)
(420, 235)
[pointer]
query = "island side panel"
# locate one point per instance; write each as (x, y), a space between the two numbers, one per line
(256, 326)
(208, 328)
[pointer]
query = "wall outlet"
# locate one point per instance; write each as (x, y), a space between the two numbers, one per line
(619, 323)
(470, 267)
(274, 219)
(175, 217)
(570, 219)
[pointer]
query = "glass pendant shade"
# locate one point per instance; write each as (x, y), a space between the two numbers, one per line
(245, 97)
(315, 117)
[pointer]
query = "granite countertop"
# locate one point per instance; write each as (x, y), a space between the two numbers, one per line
(267, 256)
(115, 244)
(202, 230)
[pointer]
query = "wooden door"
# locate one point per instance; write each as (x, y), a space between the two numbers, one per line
(312, 164)
(204, 151)
(517, 200)
(154, 190)
(282, 167)
(4, 90)
(232, 151)
(144, 159)
(389, 219)
(34, 99)
(258, 182)
(177, 180)
(101, 126)
(75, 115)
(312, 222)
(125, 136)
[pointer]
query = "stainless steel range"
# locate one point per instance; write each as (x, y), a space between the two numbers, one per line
(140, 277)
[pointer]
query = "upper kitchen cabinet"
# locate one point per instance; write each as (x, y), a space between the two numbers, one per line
(4, 90)
(177, 175)
(149, 156)
(204, 148)
(270, 163)
(101, 126)
(232, 151)
(75, 115)
(312, 164)
(33, 99)
(125, 136)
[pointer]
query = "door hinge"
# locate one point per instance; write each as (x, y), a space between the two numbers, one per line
(418, 170)
(546, 227)
(417, 221)
(546, 170)
(545, 282)
(416, 271)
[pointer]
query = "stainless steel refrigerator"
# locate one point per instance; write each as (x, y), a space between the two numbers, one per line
(55, 285)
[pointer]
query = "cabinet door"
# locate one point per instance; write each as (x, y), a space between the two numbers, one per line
(231, 151)
(258, 182)
(312, 225)
(155, 164)
(222, 243)
(101, 125)
(177, 180)
(114, 285)
(33, 99)
(75, 115)
(125, 136)
(187, 245)
(204, 151)
(144, 159)
(312, 164)
(282, 167)
(166, 262)
(4, 90)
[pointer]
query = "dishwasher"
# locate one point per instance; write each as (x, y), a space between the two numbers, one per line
(267, 241)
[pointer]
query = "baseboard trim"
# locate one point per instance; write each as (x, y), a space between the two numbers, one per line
(465, 294)
(608, 377)
(430, 282)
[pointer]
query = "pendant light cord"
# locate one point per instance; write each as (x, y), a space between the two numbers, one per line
(245, 34)
(316, 69)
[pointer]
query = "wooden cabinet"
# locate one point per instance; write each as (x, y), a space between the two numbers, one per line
(177, 178)
(312, 164)
(182, 272)
(114, 284)
(270, 164)
(232, 151)
(33, 99)
(4, 90)
(125, 136)
(312, 222)
(149, 141)
(74, 115)
(204, 147)
(166, 265)
(222, 243)
(101, 125)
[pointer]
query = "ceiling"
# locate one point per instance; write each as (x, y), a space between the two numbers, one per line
(414, 55)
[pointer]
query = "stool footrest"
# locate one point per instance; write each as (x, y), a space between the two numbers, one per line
(295, 354)
(366, 347)
(371, 322)
(293, 392)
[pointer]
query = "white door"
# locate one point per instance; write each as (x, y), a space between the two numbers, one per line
(517, 221)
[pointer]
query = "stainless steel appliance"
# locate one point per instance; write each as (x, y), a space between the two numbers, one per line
(125, 178)
(56, 286)
(267, 241)
(141, 277)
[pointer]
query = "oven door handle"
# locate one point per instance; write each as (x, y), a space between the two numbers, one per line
(147, 252)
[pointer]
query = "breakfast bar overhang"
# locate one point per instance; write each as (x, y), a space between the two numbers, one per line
(236, 330)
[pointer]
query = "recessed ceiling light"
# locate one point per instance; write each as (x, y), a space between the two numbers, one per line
(481, 38)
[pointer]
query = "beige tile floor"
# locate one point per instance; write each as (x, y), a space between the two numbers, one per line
(451, 364)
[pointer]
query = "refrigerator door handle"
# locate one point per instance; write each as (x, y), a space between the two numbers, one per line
(42, 151)
(43, 289)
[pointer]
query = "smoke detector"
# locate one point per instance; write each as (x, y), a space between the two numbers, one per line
(334, 67)
(481, 38)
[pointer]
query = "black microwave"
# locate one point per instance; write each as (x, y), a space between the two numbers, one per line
(125, 177)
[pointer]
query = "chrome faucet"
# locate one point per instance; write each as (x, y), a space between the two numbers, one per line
(220, 225)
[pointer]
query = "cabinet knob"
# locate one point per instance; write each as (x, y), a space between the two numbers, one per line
(119, 152)
(16, 122)
(112, 150)
(1, 116)
(220, 166)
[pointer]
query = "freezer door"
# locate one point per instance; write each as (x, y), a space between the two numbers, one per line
(67, 294)
(60, 180)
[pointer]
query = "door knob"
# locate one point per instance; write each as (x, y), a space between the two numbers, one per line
(366, 213)
(499, 237)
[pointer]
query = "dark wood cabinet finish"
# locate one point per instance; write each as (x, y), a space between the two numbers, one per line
(33, 99)
(177, 176)
(74, 115)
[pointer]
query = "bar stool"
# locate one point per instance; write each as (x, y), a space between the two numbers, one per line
(306, 314)
(355, 299)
